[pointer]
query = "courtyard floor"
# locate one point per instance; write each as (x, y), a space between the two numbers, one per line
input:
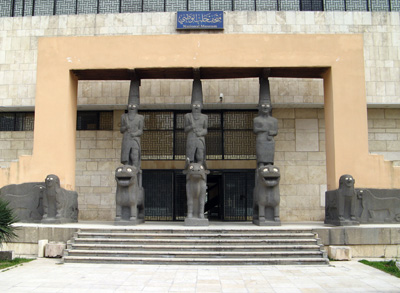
(50, 275)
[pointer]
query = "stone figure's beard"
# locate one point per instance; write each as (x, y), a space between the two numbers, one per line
(196, 115)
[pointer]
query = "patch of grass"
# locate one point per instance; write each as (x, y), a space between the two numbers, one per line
(10, 263)
(386, 266)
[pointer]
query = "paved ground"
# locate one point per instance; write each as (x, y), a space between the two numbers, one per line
(48, 275)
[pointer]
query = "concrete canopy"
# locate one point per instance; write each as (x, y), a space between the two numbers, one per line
(338, 59)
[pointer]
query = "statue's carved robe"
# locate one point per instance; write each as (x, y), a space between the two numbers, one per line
(265, 128)
(196, 141)
(131, 129)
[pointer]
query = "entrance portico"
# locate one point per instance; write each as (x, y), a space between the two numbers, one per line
(338, 59)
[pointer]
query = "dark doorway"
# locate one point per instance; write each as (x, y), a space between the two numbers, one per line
(229, 195)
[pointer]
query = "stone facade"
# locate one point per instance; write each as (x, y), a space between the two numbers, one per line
(300, 155)
(19, 36)
(300, 144)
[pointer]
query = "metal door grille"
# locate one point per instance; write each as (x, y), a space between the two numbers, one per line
(158, 186)
(238, 196)
(180, 196)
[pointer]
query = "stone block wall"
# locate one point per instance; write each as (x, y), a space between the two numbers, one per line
(300, 155)
(19, 37)
(300, 144)
(384, 133)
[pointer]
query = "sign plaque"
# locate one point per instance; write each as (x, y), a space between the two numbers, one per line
(200, 20)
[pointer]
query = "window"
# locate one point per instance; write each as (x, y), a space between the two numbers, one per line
(16, 121)
(94, 120)
(230, 135)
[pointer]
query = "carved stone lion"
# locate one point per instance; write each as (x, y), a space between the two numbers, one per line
(346, 198)
(196, 189)
(341, 203)
(379, 210)
(129, 195)
(59, 205)
(266, 196)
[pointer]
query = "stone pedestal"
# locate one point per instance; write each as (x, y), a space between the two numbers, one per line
(41, 247)
(266, 223)
(7, 255)
(338, 222)
(339, 252)
(54, 249)
(128, 223)
(196, 222)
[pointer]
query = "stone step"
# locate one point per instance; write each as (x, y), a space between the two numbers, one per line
(196, 254)
(197, 261)
(189, 230)
(131, 235)
(209, 241)
(196, 246)
(235, 247)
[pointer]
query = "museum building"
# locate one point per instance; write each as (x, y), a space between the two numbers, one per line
(334, 71)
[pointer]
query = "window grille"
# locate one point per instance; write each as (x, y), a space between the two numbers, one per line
(230, 135)
(94, 120)
(16, 121)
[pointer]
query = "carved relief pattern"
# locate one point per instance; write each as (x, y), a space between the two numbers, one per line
(244, 5)
(109, 6)
(311, 5)
(44, 7)
(158, 120)
(356, 5)
(379, 5)
(199, 5)
(213, 145)
(131, 6)
(153, 6)
(65, 6)
(87, 6)
(5, 8)
(289, 5)
(395, 5)
(239, 145)
(28, 7)
(224, 5)
(239, 120)
(334, 5)
(157, 145)
(17, 8)
(175, 5)
(180, 145)
(271, 5)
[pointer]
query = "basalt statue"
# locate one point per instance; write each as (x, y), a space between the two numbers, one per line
(265, 127)
(59, 205)
(130, 193)
(196, 125)
(266, 197)
(46, 202)
(266, 191)
(129, 196)
(340, 204)
(196, 189)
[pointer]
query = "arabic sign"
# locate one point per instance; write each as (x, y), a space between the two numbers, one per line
(200, 20)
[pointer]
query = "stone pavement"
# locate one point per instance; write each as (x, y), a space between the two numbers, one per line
(49, 275)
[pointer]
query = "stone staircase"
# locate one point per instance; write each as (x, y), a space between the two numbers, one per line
(196, 246)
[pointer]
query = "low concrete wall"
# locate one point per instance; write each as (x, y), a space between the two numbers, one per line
(369, 241)
(26, 244)
(365, 241)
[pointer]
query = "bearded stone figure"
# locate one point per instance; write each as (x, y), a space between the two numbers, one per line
(266, 194)
(130, 192)
(196, 125)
